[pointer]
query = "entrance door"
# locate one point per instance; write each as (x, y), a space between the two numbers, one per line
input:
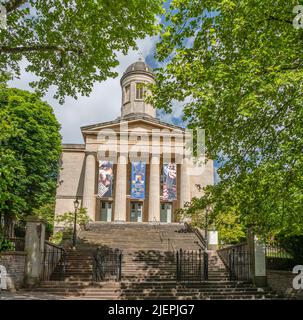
(165, 213)
(106, 211)
(136, 212)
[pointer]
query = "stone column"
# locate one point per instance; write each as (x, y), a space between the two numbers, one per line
(120, 194)
(256, 249)
(154, 190)
(89, 200)
(185, 183)
(34, 247)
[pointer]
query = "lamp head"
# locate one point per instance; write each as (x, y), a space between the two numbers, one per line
(76, 204)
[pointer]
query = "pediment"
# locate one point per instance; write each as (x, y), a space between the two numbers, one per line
(134, 124)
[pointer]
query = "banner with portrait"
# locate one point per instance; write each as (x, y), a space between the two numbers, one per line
(138, 180)
(169, 181)
(105, 181)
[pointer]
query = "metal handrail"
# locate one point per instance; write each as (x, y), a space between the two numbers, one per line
(197, 233)
(156, 224)
(170, 244)
(53, 256)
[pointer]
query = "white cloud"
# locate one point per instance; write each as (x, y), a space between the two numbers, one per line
(102, 105)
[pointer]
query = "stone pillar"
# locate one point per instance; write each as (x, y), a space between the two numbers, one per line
(89, 200)
(34, 247)
(120, 194)
(154, 190)
(256, 249)
(185, 183)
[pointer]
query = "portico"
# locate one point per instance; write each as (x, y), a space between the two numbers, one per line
(134, 168)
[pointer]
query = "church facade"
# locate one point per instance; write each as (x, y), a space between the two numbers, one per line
(135, 168)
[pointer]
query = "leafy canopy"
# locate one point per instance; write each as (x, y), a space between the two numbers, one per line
(71, 44)
(30, 147)
(237, 66)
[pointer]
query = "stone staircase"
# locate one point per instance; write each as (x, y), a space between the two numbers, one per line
(148, 267)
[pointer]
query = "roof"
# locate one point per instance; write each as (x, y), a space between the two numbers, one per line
(134, 117)
(138, 67)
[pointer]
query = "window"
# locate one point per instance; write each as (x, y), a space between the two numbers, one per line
(139, 91)
(109, 205)
(127, 93)
(103, 205)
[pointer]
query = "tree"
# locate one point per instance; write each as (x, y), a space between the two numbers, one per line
(237, 66)
(72, 44)
(30, 147)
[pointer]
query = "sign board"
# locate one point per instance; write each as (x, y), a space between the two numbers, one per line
(105, 182)
(213, 237)
(138, 180)
(169, 181)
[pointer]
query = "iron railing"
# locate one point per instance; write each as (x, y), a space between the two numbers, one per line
(19, 243)
(237, 260)
(277, 258)
(239, 265)
(53, 260)
(192, 266)
(107, 265)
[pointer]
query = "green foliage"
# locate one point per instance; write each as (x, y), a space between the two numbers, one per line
(47, 213)
(227, 223)
(237, 67)
(6, 245)
(30, 147)
(57, 237)
(67, 219)
(72, 44)
(293, 245)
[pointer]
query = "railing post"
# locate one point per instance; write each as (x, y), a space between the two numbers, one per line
(177, 265)
(256, 249)
(205, 265)
(34, 246)
(230, 265)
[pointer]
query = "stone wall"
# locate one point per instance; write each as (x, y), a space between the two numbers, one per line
(281, 281)
(14, 262)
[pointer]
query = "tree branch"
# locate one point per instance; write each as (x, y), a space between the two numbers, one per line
(13, 5)
(12, 50)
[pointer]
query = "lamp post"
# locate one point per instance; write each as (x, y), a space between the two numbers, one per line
(206, 227)
(76, 206)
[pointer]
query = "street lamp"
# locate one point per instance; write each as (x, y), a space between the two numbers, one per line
(76, 206)
(206, 227)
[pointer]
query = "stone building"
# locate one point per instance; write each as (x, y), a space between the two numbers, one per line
(135, 168)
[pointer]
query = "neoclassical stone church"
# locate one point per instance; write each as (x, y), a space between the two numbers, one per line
(134, 168)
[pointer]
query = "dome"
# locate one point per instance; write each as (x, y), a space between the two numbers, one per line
(138, 67)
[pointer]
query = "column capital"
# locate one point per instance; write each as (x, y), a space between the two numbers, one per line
(90, 153)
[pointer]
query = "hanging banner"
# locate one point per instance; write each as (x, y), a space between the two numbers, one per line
(105, 182)
(169, 181)
(138, 180)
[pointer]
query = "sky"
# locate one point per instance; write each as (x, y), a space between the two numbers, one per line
(104, 102)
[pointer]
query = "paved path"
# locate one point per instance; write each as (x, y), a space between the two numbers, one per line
(22, 295)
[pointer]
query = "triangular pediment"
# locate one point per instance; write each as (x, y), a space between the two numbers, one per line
(132, 124)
